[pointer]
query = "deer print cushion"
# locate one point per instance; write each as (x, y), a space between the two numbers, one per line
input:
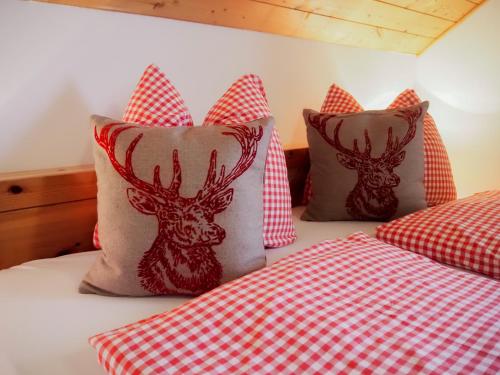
(366, 166)
(180, 209)
(438, 177)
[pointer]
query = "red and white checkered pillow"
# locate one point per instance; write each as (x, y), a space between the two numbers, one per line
(438, 177)
(354, 306)
(246, 101)
(340, 101)
(463, 233)
(155, 101)
(337, 101)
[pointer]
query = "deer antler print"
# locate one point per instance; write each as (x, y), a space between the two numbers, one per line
(373, 197)
(411, 116)
(248, 139)
(181, 258)
(108, 143)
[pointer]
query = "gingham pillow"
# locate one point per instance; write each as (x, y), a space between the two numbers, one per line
(463, 233)
(155, 101)
(353, 306)
(438, 177)
(246, 101)
(340, 101)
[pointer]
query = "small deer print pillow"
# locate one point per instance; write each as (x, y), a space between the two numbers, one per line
(438, 177)
(366, 166)
(180, 209)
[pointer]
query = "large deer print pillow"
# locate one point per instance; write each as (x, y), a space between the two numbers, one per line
(180, 209)
(367, 165)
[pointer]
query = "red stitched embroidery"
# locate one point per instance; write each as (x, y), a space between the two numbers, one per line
(373, 197)
(182, 253)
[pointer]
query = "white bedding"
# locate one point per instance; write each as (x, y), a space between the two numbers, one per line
(45, 323)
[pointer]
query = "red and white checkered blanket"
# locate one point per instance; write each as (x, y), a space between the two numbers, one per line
(346, 306)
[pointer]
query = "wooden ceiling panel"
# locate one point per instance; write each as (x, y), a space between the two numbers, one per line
(373, 13)
(407, 26)
(452, 10)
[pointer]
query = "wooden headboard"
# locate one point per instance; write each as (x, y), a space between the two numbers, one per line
(52, 212)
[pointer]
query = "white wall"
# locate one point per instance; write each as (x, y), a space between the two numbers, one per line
(461, 76)
(59, 64)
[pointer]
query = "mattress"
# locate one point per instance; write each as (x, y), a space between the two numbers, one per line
(45, 323)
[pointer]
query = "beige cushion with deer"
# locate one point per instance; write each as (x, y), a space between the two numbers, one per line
(180, 209)
(367, 165)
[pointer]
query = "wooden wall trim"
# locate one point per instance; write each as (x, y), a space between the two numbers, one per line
(21, 190)
(46, 231)
(46, 213)
(52, 212)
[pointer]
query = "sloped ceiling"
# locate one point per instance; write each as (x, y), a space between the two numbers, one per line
(407, 26)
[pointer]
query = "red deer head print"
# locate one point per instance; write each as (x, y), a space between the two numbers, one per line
(373, 197)
(181, 255)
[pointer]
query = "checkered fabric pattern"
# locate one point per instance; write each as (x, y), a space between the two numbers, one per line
(340, 101)
(246, 101)
(355, 306)
(337, 101)
(438, 178)
(463, 233)
(155, 101)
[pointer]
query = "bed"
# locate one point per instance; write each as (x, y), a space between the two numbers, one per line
(45, 323)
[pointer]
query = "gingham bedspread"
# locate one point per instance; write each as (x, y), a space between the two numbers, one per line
(355, 306)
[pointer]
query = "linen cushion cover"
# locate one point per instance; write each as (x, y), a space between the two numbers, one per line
(154, 102)
(246, 101)
(355, 305)
(378, 179)
(180, 209)
(463, 233)
(438, 177)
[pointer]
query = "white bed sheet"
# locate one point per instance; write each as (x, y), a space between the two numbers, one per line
(45, 322)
